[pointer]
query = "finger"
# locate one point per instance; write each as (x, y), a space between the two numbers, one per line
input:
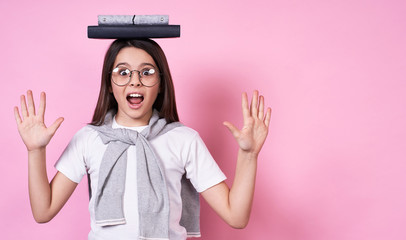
(30, 101)
(261, 107)
(42, 105)
(245, 108)
(55, 125)
(268, 117)
(254, 104)
(233, 129)
(17, 116)
(24, 111)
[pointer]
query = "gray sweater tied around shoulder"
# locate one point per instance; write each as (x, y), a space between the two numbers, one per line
(153, 200)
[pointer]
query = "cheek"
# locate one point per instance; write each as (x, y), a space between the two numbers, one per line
(116, 92)
(154, 93)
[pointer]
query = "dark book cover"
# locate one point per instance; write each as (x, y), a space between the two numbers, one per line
(133, 31)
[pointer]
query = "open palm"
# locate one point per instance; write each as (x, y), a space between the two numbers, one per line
(33, 131)
(256, 124)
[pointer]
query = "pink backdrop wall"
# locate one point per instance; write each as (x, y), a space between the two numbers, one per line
(333, 166)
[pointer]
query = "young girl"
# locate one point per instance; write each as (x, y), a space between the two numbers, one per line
(144, 167)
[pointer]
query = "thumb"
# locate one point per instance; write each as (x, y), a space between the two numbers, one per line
(233, 129)
(55, 125)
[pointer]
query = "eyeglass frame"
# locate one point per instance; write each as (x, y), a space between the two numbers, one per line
(139, 77)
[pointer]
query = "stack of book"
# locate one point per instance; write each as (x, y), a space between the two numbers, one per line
(133, 26)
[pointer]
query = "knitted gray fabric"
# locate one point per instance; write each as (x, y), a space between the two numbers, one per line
(153, 202)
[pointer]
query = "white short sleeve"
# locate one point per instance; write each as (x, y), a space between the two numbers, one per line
(201, 168)
(72, 161)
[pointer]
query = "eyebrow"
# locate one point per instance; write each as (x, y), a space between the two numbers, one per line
(141, 65)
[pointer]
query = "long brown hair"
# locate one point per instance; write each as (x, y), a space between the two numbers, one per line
(165, 102)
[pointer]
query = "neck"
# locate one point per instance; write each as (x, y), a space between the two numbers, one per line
(133, 121)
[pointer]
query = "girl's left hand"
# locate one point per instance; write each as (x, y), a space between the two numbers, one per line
(256, 124)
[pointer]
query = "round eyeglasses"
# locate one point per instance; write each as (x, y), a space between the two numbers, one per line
(148, 76)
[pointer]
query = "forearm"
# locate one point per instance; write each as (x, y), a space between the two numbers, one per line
(38, 183)
(234, 205)
(242, 191)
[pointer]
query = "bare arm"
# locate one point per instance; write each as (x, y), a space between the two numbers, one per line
(46, 198)
(234, 205)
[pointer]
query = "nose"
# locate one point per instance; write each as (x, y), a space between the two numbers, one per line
(135, 78)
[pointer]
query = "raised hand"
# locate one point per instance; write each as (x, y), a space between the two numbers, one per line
(31, 126)
(256, 124)
(234, 205)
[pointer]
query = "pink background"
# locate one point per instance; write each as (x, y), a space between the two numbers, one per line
(333, 166)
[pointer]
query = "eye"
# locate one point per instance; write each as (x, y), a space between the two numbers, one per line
(121, 71)
(124, 72)
(147, 71)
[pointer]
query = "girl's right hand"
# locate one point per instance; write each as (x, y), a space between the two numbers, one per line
(31, 126)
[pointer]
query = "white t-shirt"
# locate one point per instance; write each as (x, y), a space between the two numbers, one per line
(180, 150)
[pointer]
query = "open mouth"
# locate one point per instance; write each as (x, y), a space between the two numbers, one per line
(135, 98)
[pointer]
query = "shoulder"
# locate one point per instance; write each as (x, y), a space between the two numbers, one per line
(183, 133)
(85, 134)
(86, 131)
(84, 143)
(178, 137)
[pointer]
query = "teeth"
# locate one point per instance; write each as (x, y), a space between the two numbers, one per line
(135, 95)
